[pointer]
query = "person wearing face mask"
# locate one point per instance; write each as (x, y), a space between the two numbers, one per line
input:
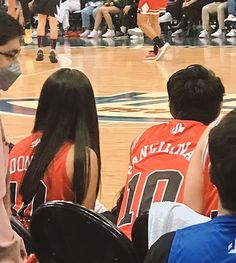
(11, 245)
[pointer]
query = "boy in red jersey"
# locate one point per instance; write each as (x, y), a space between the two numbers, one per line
(160, 156)
(148, 14)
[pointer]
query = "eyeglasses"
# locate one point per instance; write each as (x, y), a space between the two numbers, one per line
(11, 55)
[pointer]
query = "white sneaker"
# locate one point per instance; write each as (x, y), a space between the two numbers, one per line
(218, 33)
(167, 17)
(162, 51)
(204, 34)
(94, 33)
(177, 32)
(135, 37)
(86, 33)
(232, 33)
(230, 18)
(135, 31)
(109, 33)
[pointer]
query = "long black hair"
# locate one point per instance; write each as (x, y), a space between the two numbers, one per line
(66, 112)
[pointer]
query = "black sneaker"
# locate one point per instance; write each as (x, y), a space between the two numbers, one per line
(39, 56)
(52, 57)
(120, 34)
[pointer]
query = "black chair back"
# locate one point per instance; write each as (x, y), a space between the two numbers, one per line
(140, 235)
(64, 232)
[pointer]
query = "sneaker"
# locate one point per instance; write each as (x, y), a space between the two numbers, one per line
(151, 55)
(120, 34)
(135, 37)
(232, 33)
(231, 18)
(162, 51)
(218, 33)
(40, 55)
(109, 33)
(135, 31)
(94, 33)
(86, 33)
(204, 33)
(167, 17)
(52, 57)
(28, 36)
(177, 32)
(34, 33)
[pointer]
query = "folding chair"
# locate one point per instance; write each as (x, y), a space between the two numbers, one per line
(65, 232)
(23, 233)
(140, 235)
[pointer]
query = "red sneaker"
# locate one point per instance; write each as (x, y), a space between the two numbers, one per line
(151, 55)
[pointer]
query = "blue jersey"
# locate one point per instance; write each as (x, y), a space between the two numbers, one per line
(214, 241)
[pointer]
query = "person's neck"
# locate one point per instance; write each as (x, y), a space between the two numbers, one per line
(223, 212)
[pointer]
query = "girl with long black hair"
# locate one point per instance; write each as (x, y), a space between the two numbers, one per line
(60, 160)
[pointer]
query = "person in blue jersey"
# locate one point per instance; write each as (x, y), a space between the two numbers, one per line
(214, 241)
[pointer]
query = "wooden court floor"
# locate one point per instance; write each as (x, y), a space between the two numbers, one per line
(131, 95)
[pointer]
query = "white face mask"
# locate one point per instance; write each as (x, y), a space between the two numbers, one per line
(9, 75)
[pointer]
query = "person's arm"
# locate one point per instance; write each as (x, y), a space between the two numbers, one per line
(12, 8)
(194, 180)
(90, 198)
(160, 250)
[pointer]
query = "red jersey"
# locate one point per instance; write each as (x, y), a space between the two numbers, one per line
(158, 164)
(151, 6)
(55, 184)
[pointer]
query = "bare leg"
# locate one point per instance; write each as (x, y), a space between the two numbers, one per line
(98, 18)
(106, 11)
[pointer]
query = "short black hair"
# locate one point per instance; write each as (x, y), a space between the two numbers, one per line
(222, 152)
(9, 29)
(195, 93)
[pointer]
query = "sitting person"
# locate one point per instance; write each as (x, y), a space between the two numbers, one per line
(105, 12)
(60, 160)
(213, 241)
(128, 17)
(218, 8)
(65, 9)
(191, 15)
(160, 156)
(231, 19)
(86, 13)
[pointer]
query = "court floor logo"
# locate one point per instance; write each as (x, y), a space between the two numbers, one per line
(123, 107)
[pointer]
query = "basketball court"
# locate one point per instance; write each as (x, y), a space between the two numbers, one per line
(130, 93)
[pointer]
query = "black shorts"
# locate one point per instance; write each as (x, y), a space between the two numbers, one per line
(46, 7)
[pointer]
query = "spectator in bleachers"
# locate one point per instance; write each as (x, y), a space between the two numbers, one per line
(109, 8)
(231, 19)
(191, 16)
(218, 7)
(128, 17)
(87, 12)
(65, 9)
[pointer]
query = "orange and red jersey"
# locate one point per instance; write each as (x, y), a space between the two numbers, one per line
(55, 184)
(158, 165)
(151, 6)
